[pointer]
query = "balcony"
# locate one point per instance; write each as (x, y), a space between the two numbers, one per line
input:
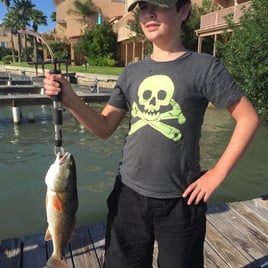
(123, 30)
(61, 21)
(214, 22)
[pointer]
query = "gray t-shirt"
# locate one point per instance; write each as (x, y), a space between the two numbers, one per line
(167, 102)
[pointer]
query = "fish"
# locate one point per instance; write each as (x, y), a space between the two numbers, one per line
(61, 206)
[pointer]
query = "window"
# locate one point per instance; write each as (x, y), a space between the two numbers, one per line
(3, 44)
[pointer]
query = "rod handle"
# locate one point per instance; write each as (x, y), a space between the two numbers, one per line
(57, 98)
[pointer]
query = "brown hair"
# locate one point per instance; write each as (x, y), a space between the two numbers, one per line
(180, 4)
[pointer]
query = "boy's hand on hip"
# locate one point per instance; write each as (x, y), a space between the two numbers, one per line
(203, 187)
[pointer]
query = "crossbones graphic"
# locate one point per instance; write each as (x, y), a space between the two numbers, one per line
(153, 99)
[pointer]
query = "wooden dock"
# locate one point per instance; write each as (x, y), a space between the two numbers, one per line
(39, 99)
(34, 97)
(237, 236)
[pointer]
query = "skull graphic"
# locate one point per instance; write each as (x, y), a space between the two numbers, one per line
(156, 104)
(154, 92)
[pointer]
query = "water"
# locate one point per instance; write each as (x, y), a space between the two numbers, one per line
(27, 152)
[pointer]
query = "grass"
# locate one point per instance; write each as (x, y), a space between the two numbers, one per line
(89, 69)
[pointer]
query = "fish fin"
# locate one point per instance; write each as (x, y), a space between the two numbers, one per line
(55, 262)
(57, 203)
(48, 235)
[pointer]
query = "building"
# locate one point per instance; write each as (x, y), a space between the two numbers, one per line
(132, 47)
(70, 26)
(211, 24)
(214, 23)
(6, 38)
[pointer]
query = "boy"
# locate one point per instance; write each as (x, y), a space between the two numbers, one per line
(160, 192)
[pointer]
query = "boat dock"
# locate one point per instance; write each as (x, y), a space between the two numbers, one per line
(17, 96)
(40, 99)
(32, 95)
(30, 91)
(237, 236)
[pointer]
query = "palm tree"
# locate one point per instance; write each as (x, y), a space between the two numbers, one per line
(38, 18)
(23, 9)
(53, 16)
(6, 2)
(85, 9)
(11, 22)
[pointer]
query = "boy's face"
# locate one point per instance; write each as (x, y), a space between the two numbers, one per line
(161, 24)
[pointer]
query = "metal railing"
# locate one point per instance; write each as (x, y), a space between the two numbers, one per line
(217, 18)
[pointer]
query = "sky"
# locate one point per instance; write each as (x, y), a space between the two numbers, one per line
(46, 6)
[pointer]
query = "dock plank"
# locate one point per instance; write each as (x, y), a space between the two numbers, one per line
(155, 254)
(237, 237)
(34, 251)
(244, 236)
(39, 99)
(234, 234)
(259, 206)
(83, 252)
(254, 243)
(10, 253)
(250, 216)
(212, 259)
(97, 234)
(225, 248)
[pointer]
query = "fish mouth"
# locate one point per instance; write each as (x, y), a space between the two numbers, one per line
(62, 158)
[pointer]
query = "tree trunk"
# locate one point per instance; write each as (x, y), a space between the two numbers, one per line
(13, 48)
(35, 49)
(19, 47)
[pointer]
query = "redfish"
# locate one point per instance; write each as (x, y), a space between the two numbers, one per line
(61, 206)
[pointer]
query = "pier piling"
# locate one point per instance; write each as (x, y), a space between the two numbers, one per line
(16, 112)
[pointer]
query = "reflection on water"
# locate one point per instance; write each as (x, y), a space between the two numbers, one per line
(27, 152)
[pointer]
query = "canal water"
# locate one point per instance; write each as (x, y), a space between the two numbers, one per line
(27, 152)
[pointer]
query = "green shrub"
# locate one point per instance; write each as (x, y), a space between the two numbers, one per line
(246, 55)
(61, 50)
(5, 51)
(102, 61)
(99, 45)
(7, 59)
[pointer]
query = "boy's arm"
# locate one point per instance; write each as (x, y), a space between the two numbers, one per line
(247, 122)
(100, 124)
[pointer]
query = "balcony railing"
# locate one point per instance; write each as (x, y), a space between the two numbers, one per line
(123, 30)
(217, 18)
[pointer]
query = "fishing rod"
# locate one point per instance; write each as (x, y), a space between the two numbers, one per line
(57, 115)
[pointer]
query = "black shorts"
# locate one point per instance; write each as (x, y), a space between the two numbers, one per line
(135, 222)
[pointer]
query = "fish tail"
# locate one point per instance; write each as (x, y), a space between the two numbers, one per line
(55, 262)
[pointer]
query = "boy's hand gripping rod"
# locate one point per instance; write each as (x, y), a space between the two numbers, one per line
(57, 116)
